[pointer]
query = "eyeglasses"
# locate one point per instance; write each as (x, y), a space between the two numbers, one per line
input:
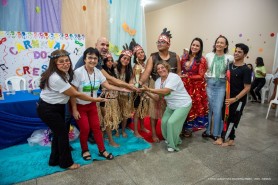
(160, 42)
(110, 60)
(63, 62)
(92, 58)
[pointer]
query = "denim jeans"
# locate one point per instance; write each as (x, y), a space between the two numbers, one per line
(216, 93)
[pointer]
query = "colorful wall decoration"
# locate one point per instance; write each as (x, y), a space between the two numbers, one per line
(25, 54)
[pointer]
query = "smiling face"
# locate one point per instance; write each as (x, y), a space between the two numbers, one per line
(102, 46)
(63, 63)
(140, 55)
(162, 45)
(125, 60)
(91, 61)
(220, 44)
(162, 71)
(239, 54)
(195, 47)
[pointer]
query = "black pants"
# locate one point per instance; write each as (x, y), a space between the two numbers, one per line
(54, 117)
(257, 85)
(235, 112)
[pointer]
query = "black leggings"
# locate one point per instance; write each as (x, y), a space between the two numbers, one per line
(53, 115)
(257, 85)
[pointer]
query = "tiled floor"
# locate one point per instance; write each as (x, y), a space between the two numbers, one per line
(254, 160)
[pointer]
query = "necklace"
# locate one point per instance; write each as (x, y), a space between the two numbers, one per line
(92, 87)
(234, 68)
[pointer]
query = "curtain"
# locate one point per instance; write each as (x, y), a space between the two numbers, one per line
(13, 16)
(88, 17)
(127, 21)
(44, 16)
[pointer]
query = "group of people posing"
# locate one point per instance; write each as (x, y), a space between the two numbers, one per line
(186, 93)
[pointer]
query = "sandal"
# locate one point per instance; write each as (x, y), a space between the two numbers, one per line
(86, 157)
(109, 156)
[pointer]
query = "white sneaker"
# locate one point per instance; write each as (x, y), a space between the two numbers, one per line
(170, 149)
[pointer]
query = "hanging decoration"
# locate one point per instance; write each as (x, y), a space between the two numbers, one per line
(114, 49)
(127, 29)
(4, 2)
(84, 8)
(38, 9)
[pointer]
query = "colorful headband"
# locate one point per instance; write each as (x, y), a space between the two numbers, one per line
(127, 52)
(108, 55)
(164, 38)
(136, 48)
(59, 55)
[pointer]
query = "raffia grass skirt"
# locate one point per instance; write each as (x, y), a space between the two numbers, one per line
(126, 104)
(111, 116)
(143, 108)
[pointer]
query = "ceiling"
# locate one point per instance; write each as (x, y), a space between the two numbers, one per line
(152, 5)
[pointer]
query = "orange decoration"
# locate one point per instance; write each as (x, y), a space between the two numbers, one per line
(84, 8)
(261, 50)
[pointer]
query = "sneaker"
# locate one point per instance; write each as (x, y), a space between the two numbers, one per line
(170, 149)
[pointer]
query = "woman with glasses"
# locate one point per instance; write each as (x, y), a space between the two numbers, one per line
(87, 80)
(169, 86)
(55, 92)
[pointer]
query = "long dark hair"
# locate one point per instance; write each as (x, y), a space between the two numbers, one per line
(111, 71)
(128, 70)
(260, 62)
(53, 68)
(199, 54)
(135, 57)
(227, 43)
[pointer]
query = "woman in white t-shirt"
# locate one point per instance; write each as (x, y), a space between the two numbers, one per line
(87, 80)
(55, 93)
(170, 86)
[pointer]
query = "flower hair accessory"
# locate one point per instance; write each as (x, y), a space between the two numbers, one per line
(165, 36)
(59, 55)
(108, 55)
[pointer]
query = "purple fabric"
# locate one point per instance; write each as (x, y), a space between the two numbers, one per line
(44, 16)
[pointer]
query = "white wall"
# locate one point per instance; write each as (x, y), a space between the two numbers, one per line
(207, 19)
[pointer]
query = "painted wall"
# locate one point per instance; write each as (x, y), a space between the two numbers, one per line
(253, 22)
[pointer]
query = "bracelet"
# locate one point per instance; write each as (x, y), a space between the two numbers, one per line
(236, 98)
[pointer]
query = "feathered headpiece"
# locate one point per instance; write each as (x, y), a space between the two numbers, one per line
(108, 55)
(165, 36)
(127, 50)
(135, 46)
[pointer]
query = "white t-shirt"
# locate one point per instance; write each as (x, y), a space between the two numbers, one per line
(82, 82)
(209, 58)
(54, 94)
(178, 97)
